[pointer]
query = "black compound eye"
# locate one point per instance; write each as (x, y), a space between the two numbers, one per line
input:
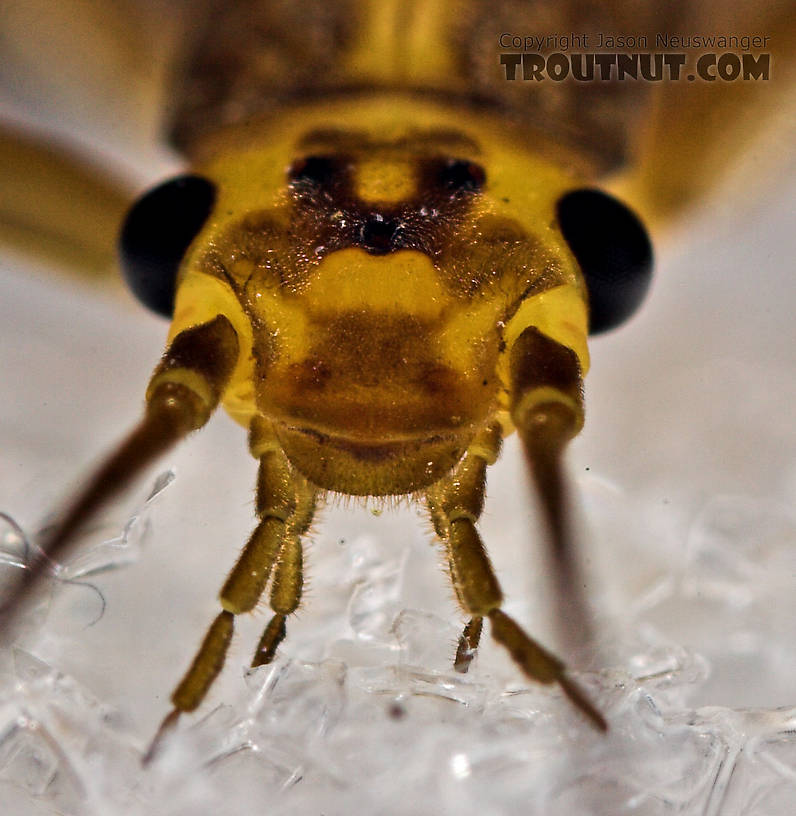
(156, 234)
(460, 175)
(316, 170)
(614, 252)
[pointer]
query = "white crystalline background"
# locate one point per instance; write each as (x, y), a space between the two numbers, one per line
(684, 480)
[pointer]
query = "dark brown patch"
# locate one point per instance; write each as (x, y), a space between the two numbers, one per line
(536, 361)
(370, 349)
(328, 215)
(396, 711)
(311, 375)
(210, 349)
(374, 454)
(437, 380)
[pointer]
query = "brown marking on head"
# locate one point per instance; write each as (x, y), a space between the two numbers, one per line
(330, 214)
(336, 198)
(334, 205)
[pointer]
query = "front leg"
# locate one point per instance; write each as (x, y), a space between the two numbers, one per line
(456, 504)
(285, 507)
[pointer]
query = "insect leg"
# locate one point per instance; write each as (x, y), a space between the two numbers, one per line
(285, 505)
(547, 410)
(288, 577)
(468, 643)
(248, 578)
(183, 392)
(456, 503)
(463, 492)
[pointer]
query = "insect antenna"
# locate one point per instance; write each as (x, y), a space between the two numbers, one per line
(183, 392)
(573, 614)
(547, 409)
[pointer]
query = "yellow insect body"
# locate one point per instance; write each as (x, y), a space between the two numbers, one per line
(378, 288)
(378, 278)
(386, 281)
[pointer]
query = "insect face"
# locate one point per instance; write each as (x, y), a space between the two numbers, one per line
(374, 270)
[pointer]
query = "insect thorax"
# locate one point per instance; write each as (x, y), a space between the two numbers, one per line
(251, 57)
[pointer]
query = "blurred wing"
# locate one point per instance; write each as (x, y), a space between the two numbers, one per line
(56, 206)
(79, 82)
(697, 133)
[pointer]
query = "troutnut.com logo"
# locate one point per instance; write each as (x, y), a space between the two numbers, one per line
(551, 57)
